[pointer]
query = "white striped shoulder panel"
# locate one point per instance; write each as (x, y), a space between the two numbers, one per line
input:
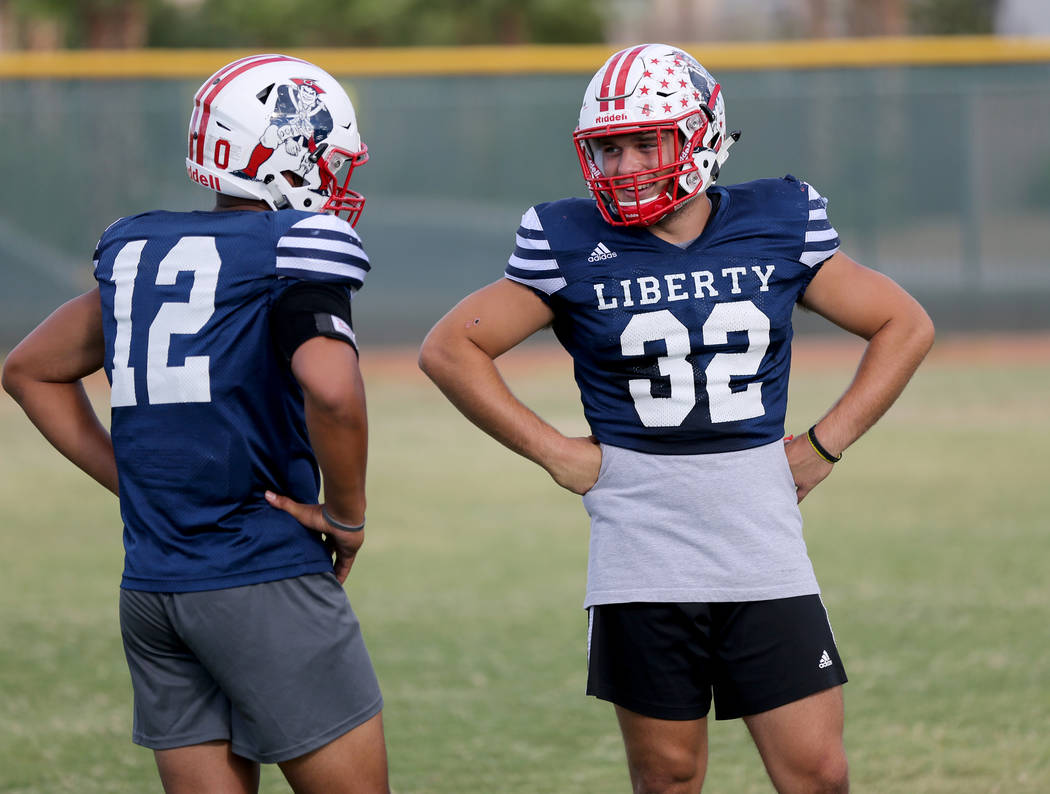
(323, 248)
(821, 238)
(532, 263)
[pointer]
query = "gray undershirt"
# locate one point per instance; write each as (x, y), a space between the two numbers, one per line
(679, 528)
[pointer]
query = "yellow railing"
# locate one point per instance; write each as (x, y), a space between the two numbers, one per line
(532, 59)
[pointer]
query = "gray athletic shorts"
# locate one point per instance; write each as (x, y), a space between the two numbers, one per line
(277, 669)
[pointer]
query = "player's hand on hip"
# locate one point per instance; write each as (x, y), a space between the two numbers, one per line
(578, 465)
(807, 468)
(343, 546)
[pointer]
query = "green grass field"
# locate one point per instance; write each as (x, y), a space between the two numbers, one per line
(930, 540)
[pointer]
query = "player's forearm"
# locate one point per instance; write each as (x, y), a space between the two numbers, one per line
(336, 421)
(892, 356)
(65, 417)
(469, 378)
(339, 437)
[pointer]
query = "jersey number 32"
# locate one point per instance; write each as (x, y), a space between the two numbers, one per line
(725, 404)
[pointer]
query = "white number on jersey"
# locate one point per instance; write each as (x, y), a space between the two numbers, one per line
(189, 382)
(725, 404)
(649, 327)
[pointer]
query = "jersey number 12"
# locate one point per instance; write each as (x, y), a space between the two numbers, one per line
(189, 382)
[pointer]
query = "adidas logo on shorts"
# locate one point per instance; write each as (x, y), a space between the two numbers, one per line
(600, 252)
(825, 661)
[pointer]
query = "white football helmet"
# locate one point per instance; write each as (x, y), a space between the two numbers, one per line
(653, 87)
(259, 117)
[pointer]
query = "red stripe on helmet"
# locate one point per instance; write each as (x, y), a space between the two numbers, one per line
(621, 80)
(219, 83)
(711, 104)
(201, 91)
(714, 96)
(607, 80)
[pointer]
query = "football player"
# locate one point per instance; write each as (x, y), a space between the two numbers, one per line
(674, 297)
(228, 343)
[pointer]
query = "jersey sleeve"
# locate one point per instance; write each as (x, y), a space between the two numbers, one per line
(532, 263)
(322, 248)
(821, 241)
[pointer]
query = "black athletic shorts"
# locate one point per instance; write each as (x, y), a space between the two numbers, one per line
(666, 660)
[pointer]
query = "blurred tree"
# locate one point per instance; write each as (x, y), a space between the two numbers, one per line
(46, 24)
(337, 23)
(950, 17)
(877, 18)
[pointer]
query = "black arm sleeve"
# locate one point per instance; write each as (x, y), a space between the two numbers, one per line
(305, 310)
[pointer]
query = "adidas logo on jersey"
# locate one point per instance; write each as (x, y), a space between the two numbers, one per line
(825, 661)
(600, 252)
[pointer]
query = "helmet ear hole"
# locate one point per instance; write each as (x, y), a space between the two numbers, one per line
(294, 178)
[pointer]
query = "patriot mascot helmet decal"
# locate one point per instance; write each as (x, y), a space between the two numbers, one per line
(261, 118)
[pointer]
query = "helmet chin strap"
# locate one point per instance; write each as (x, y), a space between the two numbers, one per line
(723, 153)
(719, 157)
(732, 138)
(280, 201)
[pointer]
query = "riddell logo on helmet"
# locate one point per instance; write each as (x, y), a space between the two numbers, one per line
(205, 179)
(611, 117)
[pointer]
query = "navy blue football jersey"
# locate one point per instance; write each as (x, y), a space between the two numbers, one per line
(680, 350)
(206, 415)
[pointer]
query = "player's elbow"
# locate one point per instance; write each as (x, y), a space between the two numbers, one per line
(14, 378)
(929, 332)
(446, 351)
(921, 330)
(335, 403)
(435, 357)
(908, 329)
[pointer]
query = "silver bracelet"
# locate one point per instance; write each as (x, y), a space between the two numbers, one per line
(339, 524)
